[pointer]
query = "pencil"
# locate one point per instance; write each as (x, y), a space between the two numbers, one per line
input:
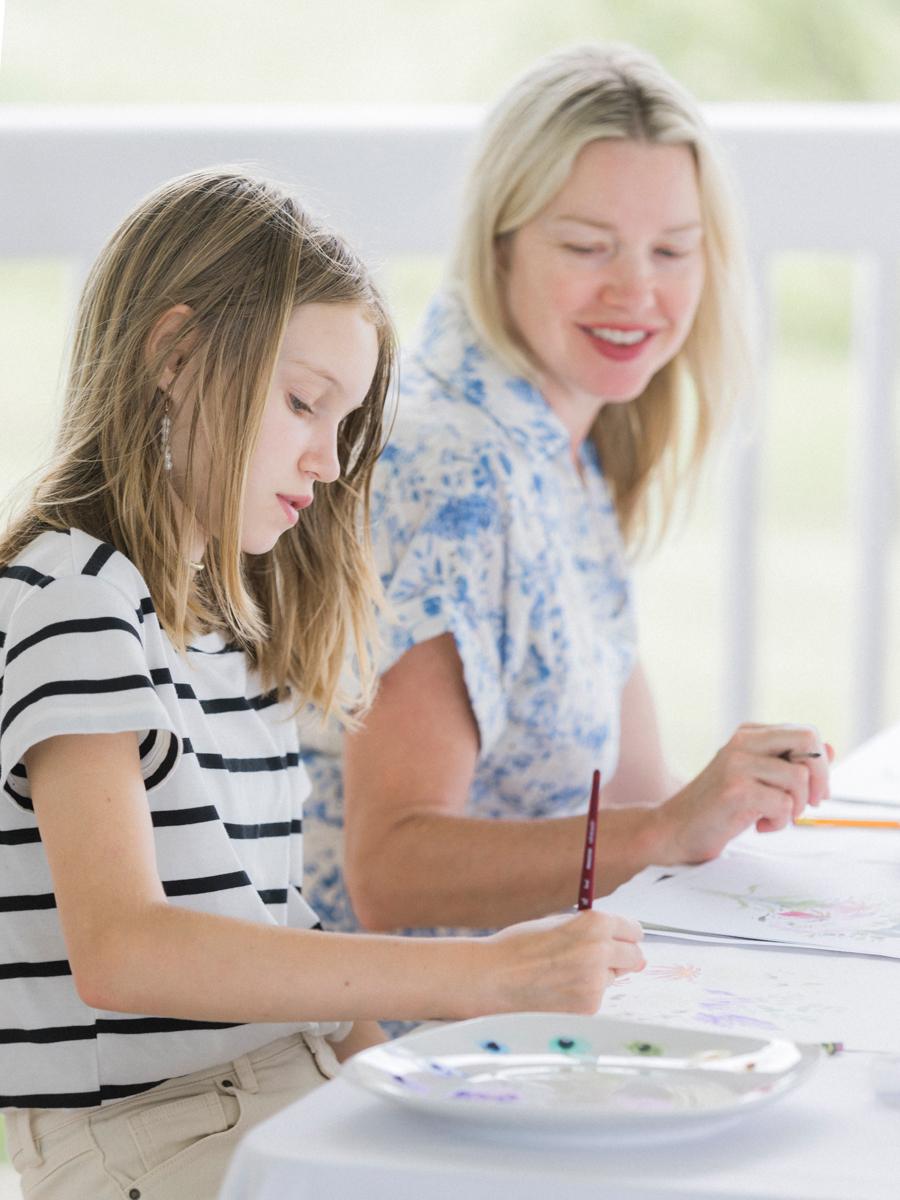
(586, 888)
(848, 824)
(796, 755)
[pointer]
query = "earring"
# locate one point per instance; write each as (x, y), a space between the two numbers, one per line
(164, 435)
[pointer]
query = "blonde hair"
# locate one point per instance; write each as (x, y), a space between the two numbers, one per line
(525, 154)
(241, 253)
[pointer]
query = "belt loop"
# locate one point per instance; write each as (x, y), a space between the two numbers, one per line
(24, 1151)
(323, 1053)
(244, 1072)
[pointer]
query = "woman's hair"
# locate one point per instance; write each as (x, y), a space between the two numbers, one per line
(242, 254)
(526, 152)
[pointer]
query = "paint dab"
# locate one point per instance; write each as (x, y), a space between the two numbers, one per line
(645, 1048)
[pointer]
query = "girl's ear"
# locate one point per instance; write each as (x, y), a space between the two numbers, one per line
(163, 337)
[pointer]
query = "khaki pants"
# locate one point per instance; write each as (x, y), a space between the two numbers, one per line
(173, 1142)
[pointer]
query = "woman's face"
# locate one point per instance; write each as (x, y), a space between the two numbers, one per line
(602, 286)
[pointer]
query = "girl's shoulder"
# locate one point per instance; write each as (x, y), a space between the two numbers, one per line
(57, 556)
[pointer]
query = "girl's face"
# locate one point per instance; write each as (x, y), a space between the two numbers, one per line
(602, 286)
(324, 370)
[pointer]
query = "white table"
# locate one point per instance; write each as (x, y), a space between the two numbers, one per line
(831, 1139)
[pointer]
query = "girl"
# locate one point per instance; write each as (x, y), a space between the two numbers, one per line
(188, 572)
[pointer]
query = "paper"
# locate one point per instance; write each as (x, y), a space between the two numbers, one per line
(826, 902)
(805, 841)
(808, 997)
(872, 771)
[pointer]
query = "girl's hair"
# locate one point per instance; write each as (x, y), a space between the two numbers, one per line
(525, 155)
(242, 253)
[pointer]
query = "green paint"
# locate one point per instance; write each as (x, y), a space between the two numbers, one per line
(645, 1049)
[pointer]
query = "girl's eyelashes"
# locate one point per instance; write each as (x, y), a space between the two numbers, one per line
(297, 404)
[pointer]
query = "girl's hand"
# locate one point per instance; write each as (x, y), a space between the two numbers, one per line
(750, 781)
(363, 1035)
(561, 963)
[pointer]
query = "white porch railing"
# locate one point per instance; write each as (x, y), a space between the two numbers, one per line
(813, 177)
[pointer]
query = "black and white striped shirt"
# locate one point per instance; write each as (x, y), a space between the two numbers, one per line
(81, 651)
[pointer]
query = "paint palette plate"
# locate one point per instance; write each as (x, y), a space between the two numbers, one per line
(571, 1077)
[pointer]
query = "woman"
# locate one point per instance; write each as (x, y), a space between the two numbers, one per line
(597, 281)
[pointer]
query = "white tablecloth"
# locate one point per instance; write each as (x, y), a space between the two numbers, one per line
(831, 1139)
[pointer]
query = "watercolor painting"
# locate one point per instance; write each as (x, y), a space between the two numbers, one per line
(827, 902)
(812, 916)
(805, 996)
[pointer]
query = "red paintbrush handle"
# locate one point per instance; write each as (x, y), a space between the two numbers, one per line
(586, 890)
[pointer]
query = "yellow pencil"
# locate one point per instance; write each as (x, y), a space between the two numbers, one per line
(848, 824)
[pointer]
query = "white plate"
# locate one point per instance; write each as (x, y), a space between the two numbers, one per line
(581, 1077)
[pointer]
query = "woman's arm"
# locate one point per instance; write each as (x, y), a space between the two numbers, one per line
(132, 951)
(412, 859)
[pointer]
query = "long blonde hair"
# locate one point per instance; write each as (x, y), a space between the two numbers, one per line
(525, 154)
(241, 253)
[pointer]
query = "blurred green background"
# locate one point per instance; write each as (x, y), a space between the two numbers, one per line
(412, 51)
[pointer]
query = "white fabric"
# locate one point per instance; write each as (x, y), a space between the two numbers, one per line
(831, 1139)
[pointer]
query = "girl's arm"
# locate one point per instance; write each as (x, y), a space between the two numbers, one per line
(413, 859)
(130, 950)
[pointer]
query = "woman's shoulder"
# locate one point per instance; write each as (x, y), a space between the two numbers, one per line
(431, 422)
(441, 439)
(437, 452)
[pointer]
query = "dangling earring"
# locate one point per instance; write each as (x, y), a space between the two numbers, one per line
(164, 435)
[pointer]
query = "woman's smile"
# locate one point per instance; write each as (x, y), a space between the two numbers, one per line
(619, 343)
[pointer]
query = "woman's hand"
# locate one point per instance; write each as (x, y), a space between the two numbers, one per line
(749, 782)
(561, 963)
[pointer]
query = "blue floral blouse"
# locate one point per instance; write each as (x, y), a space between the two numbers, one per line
(483, 528)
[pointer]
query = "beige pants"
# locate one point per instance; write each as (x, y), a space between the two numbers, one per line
(170, 1143)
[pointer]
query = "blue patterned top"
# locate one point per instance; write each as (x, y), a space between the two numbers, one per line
(484, 528)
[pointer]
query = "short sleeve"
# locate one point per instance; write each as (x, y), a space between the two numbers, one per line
(75, 663)
(439, 538)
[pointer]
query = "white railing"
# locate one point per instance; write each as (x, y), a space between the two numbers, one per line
(813, 177)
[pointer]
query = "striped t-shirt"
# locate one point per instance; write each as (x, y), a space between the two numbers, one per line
(81, 651)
